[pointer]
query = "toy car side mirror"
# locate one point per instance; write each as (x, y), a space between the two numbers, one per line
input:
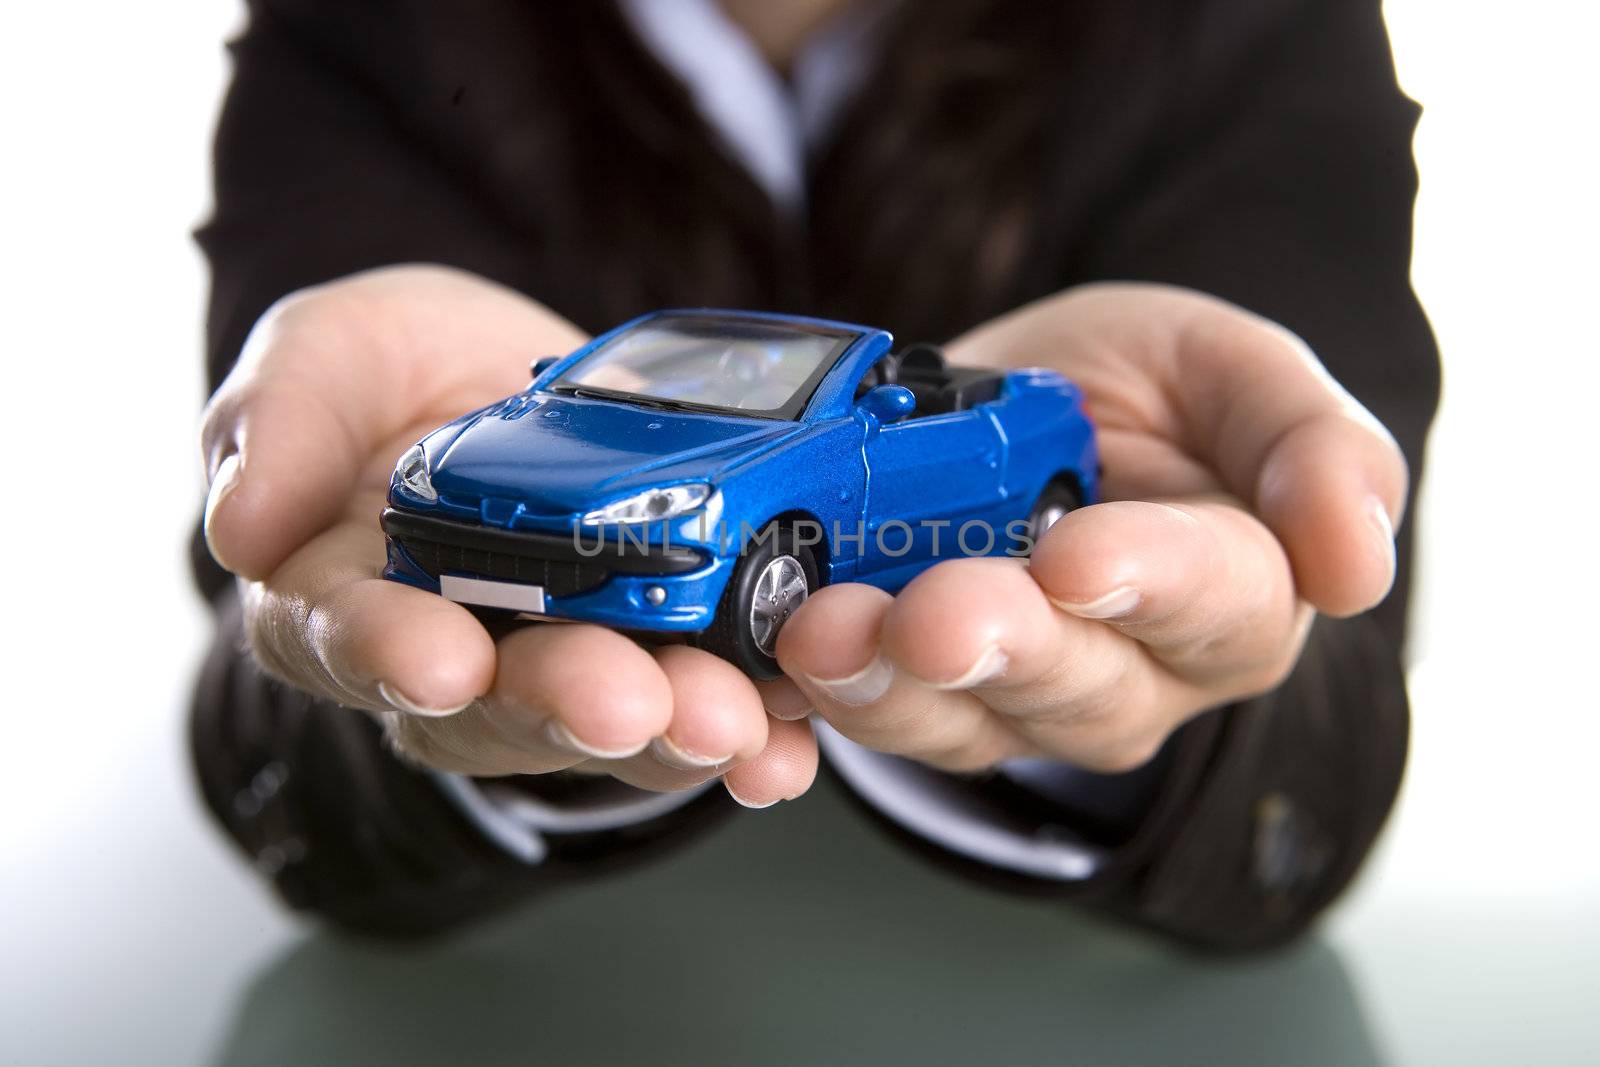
(542, 364)
(888, 403)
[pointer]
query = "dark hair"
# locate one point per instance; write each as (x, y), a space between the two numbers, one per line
(927, 196)
(920, 210)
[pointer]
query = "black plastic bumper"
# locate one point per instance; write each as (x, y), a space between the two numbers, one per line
(553, 560)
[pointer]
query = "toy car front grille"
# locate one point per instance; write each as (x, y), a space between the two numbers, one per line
(558, 562)
(558, 577)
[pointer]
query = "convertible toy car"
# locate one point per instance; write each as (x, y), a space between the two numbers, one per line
(703, 472)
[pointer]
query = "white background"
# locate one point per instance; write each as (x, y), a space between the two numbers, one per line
(1478, 924)
(1477, 932)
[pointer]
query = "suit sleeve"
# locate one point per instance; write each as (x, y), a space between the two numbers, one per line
(1280, 176)
(317, 176)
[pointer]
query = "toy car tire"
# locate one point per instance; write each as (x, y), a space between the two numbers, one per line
(773, 579)
(1058, 498)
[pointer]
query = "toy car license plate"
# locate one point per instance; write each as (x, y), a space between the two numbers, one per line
(485, 594)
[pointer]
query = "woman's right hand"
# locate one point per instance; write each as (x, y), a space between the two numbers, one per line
(334, 383)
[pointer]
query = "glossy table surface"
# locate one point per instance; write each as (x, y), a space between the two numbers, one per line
(796, 935)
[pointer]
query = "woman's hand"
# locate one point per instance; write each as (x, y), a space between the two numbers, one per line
(1246, 489)
(334, 384)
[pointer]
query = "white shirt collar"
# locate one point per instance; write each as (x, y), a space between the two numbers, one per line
(765, 124)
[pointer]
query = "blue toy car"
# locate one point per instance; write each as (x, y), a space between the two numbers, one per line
(704, 471)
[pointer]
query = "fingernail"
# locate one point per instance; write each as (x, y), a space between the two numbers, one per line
(742, 801)
(223, 482)
(794, 715)
(396, 699)
(665, 750)
(1378, 516)
(989, 666)
(557, 733)
(1114, 605)
(862, 687)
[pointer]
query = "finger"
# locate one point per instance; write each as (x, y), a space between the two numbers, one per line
(330, 625)
(783, 699)
(1067, 687)
(1251, 401)
(1203, 585)
(1318, 468)
(831, 648)
(566, 693)
(282, 468)
(783, 770)
(717, 723)
(294, 426)
(1332, 491)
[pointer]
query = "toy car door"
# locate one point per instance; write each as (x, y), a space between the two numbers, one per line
(926, 476)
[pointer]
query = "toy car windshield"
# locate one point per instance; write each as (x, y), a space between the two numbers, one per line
(719, 364)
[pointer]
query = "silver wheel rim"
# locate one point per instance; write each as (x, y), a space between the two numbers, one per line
(1048, 516)
(780, 590)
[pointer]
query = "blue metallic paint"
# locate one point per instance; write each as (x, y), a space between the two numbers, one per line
(539, 461)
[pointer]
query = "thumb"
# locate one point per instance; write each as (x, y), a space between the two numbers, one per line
(284, 440)
(331, 375)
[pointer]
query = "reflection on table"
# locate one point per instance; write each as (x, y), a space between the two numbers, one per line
(795, 935)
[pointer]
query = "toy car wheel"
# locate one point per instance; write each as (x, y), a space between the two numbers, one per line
(1052, 506)
(773, 579)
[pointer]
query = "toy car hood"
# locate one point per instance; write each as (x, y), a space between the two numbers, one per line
(566, 454)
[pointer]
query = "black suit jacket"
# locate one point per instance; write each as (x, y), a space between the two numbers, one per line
(1255, 149)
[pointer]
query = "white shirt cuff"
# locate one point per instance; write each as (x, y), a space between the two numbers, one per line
(935, 807)
(919, 798)
(519, 823)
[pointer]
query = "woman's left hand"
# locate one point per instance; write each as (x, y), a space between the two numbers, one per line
(1245, 490)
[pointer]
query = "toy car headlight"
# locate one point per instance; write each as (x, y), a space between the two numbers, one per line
(668, 502)
(412, 472)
